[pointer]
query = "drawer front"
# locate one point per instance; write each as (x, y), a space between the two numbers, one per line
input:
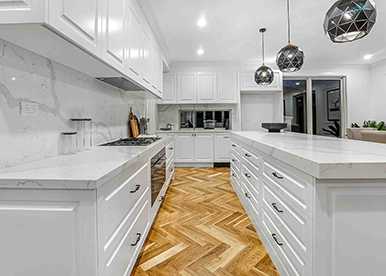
(236, 147)
(251, 160)
(122, 258)
(251, 180)
(294, 224)
(235, 176)
(170, 150)
(116, 203)
(294, 263)
(170, 170)
(236, 162)
(251, 200)
(295, 186)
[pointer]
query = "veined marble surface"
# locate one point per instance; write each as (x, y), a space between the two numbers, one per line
(190, 130)
(320, 156)
(61, 93)
(85, 170)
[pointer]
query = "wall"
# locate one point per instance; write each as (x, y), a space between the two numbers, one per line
(61, 93)
(378, 93)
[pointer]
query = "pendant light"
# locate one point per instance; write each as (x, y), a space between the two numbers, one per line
(264, 74)
(350, 20)
(291, 57)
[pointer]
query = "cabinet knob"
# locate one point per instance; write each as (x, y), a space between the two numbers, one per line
(277, 176)
(234, 160)
(138, 239)
(136, 189)
(233, 145)
(247, 155)
(170, 148)
(277, 209)
(247, 175)
(275, 239)
(247, 195)
(233, 175)
(171, 170)
(161, 199)
(226, 137)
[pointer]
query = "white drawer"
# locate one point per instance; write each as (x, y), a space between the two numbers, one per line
(122, 258)
(169, 150)
(236, 147)
(170, 170)
(295, 185)
(236, 162)
(251, 180)
(115, 204)
(251, 200)
(293, 224)
(235, 175)
(251, 160)
(293, 262)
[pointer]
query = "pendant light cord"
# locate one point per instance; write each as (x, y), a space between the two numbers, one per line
(289, 23)
(263, 48)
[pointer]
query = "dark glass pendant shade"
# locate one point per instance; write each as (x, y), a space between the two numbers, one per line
(350, 20)
(290, 58)
(264, 75)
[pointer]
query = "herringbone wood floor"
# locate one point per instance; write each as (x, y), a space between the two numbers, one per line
(203, 230)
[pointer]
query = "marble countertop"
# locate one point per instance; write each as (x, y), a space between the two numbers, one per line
(190, 130)
(320, 156)
(84, 170)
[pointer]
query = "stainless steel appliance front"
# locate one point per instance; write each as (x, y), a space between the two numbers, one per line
(158, 174)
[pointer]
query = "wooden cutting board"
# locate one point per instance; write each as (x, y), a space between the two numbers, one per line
(133, 124)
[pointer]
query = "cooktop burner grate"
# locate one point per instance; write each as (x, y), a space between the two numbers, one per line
(127, 142)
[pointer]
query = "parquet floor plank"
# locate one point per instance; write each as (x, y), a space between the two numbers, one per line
(202, 229)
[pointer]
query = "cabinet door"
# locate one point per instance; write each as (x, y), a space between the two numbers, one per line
(207, 87)
(184, 147)
(228, 87)
(169, 91)
(134, 44)
(222, 148)
(160, 75)
(186, 90)
(154, 68)
(77, 20)
(248, 82)
(113, 32)
(146, 63)
(203, 147)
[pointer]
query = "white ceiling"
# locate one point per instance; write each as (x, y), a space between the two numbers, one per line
(232, 32)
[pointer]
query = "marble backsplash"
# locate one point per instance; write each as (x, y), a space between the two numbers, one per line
(61, 93)
(169, 113)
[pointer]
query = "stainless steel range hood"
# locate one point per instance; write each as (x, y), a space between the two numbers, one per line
(122, 83)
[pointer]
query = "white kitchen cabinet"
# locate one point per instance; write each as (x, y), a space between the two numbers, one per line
(222, 147)
(184, 144)
(134, 44)
(23, 11)
(203, 147)
(248, 83)
(47, 232)
(207, 87)
(77, 20)
(169, 89)
(228, 87)
(186, 87)
(114, 32)
(146, 55)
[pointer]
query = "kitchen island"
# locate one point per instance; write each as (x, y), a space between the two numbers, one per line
(318, 203)
(83, 214)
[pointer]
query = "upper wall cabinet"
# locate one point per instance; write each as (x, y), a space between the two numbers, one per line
(101, 38)
(113, 32)
(201, 87)
(77, 20)
(248, 83)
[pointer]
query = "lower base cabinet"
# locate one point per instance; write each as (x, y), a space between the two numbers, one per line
(80, 232)
(309, 226)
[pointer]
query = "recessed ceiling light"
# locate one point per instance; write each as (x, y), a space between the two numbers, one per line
(201, 22)
(368, 56)
(200, 52)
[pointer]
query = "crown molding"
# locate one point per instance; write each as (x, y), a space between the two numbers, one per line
(150, 16)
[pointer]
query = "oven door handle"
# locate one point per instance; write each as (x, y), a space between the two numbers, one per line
(156, 166)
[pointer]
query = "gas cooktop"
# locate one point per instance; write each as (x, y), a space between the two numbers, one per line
(132, 142)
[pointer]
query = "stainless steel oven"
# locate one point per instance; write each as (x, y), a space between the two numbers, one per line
(158, 174)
